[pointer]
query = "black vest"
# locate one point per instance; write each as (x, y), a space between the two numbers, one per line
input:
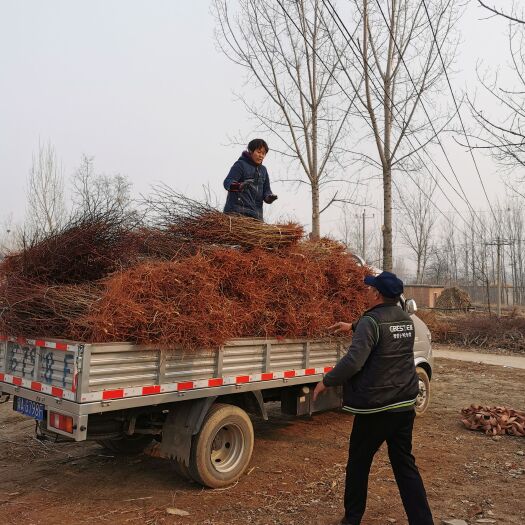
(388, 379)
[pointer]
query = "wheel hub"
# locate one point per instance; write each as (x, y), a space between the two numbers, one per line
(226, 448)
(422, 395)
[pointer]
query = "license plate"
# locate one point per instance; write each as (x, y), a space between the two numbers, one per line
(29, 408)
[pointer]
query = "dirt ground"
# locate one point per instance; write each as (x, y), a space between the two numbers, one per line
(296, 474)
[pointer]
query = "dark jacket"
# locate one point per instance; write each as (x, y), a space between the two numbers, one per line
(249, 201)
(378, 371)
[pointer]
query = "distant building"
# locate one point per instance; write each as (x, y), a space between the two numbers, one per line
(425, 295)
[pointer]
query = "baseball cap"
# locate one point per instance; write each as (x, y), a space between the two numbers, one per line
(386, 283)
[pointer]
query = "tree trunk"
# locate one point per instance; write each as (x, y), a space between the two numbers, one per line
(387, 218)
(316, 228)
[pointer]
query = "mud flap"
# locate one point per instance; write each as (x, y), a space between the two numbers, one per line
(183, 422)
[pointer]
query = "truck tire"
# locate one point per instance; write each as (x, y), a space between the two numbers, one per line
(127, 445)
(223, 448)
(423, 398)
(182, 470)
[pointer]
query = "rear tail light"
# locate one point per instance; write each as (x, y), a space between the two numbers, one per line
(61, 422)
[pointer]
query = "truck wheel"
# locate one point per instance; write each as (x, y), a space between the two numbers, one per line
(222, 449)
(127, 445)
(423, 397)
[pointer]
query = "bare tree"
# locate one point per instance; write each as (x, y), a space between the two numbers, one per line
(502, 13)
(45, 193)
(480, 247)
(445, 255)
(400, 268)
(437, 269)
(95, 194)
(418, 218)
(450, 233)
(502, 135)
(287, 50)
(350, 230)
(406, 47)
(515, 232)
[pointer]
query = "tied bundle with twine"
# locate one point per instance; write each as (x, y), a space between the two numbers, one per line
(191, 221)
(494, 420)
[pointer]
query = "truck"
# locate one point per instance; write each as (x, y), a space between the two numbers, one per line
(190, 407)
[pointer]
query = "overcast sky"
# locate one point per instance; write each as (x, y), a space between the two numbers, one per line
(140, 86)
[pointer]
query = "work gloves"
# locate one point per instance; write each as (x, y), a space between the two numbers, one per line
(270, 198)
(239, 186)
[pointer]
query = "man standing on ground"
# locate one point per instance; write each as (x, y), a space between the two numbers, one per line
(380, 387)
(248, 183)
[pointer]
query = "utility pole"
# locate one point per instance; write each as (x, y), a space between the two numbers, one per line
(498, 242)
(364, 217)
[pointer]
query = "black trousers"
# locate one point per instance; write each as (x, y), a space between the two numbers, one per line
(368, 434)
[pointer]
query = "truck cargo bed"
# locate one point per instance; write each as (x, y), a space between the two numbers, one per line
(101, 375)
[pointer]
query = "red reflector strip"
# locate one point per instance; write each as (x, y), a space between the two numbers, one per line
(2, 377)
(17, 381)
(122, 393)
(61, 346)
(57, 392)
(113, 394)
(148, 390)
(39, 342)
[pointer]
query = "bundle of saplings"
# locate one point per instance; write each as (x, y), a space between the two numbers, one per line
(184, 276)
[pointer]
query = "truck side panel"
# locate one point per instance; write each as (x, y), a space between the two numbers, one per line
(123, 366)
(108, 373)
(45, 365)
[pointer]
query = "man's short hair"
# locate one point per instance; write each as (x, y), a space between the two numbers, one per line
(255, 144)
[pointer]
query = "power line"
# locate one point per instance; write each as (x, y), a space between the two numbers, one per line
(333, 12)
(421, 101)
(352, 99)
(457, 107)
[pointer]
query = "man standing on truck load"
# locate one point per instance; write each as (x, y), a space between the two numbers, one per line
(248, 183)
(380, 388)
